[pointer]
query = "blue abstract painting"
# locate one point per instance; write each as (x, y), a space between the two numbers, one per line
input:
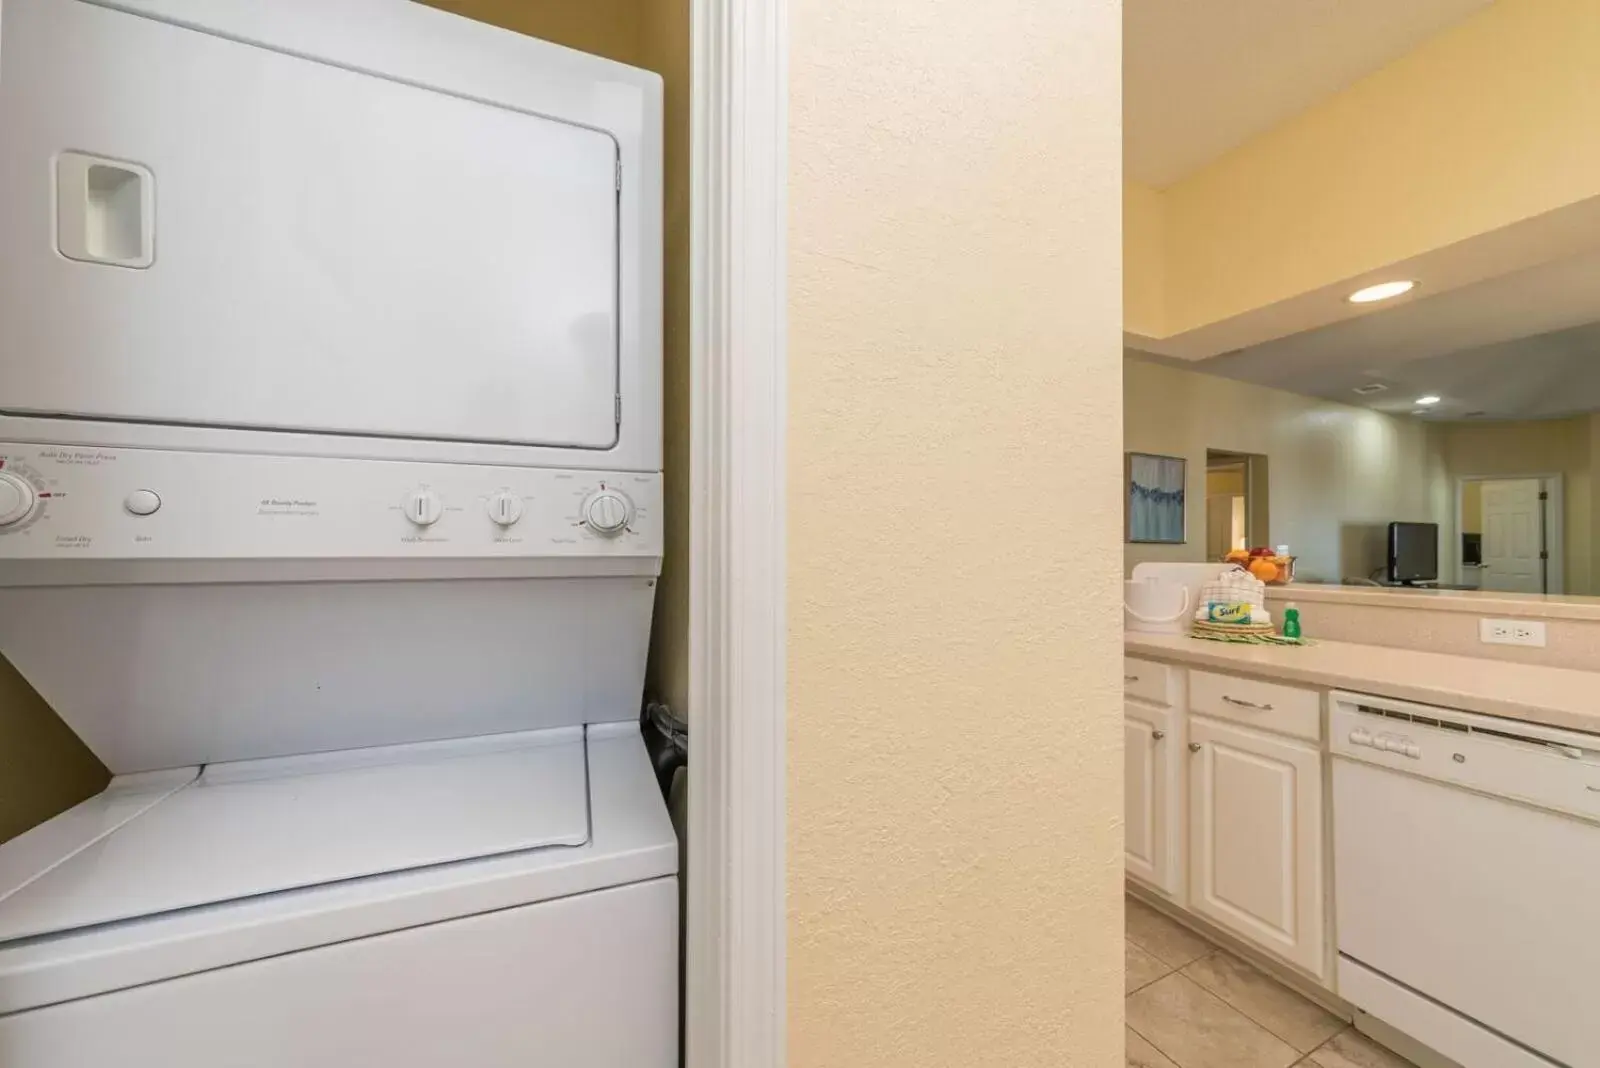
(1155, 498)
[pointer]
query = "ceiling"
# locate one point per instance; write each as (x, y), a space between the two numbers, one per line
(1525, 345)
(1202, 76)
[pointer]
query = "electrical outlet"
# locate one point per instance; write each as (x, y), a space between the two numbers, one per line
(1511, 632)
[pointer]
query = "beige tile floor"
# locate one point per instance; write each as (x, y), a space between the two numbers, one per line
(1192, 1005)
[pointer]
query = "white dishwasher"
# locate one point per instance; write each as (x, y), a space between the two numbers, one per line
(1467, 880)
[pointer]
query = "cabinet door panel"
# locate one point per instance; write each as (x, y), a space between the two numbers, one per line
(1150, 794)
(1255, 810)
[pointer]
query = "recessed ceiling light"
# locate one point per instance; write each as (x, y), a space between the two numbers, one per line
(1429, 399)
(1381, 291)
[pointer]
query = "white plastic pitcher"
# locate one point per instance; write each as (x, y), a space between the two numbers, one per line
(1155, 606)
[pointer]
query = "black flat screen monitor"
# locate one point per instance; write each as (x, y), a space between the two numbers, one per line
(1413, 552)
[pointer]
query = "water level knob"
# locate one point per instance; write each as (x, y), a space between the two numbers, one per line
(505, 508)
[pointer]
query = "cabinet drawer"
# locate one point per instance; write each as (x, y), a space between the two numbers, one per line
(1149, 681)
(1268, 706)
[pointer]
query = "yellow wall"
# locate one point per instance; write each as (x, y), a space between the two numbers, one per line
(1488, 123)
(1472, 508)
(664, 47)
(1227, 480)
(610, 28)
(44, 769)
(955, 786)
(1337, 474)
(1144, 261)
(1554, 446)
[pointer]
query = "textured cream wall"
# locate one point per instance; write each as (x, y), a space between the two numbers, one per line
(1550, 446)
(955, 783)
(1337, 474)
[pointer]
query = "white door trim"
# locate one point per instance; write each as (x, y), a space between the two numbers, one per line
(1555, 521)
(735, 1011)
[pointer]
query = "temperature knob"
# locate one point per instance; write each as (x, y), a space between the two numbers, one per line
(423, 507)
(505, 508)
(16, 499)
(608, 512)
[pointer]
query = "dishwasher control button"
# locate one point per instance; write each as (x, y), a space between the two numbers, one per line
(1360, 737)
(1414, 752)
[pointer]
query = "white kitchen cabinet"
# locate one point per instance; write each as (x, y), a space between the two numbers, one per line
(1256, 838)
(1152, 764)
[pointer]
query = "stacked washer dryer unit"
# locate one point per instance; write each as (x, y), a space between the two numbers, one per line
(330, 518)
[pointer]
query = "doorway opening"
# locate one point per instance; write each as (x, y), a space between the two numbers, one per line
(1236, 502)
(1511, 533)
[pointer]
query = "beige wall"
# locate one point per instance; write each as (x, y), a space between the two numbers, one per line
(1552, 446)
(1338, 474)
(955, 788)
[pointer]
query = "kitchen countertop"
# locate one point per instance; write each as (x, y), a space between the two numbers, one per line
(1555, 697)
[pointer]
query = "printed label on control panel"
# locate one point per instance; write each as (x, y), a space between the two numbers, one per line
(80, 457)
(286, 506)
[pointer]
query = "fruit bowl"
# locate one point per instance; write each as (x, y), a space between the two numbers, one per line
(1267, 566)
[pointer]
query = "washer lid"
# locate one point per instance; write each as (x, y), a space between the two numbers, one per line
(257, 827)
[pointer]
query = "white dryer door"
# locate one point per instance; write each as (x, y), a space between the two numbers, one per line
(207, 232)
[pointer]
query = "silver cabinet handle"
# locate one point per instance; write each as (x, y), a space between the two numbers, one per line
(1158, 735)
(1194, 747)
(1246, 704)
(1130, 678)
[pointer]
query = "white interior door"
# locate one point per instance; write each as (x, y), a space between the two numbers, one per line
(1255, 838)
(1513, 535)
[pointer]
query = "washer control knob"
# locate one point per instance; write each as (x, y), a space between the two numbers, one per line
(423, 507)
(142, 502)
(608, 512)
(505, 508)
(16, 499)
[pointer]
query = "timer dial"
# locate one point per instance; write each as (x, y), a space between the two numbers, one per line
(16, 499)
(608, 512)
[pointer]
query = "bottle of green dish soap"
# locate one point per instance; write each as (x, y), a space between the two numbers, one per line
(1291, 623)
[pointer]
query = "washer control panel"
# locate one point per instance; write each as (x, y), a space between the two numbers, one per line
(64, 502)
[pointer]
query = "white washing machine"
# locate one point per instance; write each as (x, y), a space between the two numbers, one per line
(330, 519)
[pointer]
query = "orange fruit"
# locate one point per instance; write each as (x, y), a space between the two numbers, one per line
(1264, 569)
